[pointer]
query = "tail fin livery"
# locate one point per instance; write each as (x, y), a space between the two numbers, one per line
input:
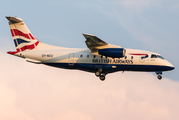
(23, 38)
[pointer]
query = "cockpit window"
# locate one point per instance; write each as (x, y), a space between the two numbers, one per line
(153, 56)
(160, 56)
(156, 56)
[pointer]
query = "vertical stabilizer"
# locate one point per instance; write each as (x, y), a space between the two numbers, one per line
(23, 38)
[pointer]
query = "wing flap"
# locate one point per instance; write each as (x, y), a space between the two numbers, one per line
(92, 42)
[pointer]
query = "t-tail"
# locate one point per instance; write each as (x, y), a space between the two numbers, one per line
(23, 38)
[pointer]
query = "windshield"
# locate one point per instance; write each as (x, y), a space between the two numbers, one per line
(160, 56)
(156, 56)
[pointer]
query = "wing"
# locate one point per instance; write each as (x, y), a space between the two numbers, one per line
(94, 43)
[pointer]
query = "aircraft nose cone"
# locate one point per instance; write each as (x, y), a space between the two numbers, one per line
(171, 67)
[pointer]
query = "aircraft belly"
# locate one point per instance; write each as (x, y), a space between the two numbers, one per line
(109, 68)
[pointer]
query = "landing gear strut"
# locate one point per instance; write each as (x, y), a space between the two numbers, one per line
(99, 74)
(159, 73)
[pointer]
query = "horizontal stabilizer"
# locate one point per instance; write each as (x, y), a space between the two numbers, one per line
(14, 19)
(33, 61)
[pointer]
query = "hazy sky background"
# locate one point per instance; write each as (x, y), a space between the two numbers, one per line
(35, 92)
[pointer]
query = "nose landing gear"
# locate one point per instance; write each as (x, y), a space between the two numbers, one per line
(159, 73)
(159, 77)
(101, 75)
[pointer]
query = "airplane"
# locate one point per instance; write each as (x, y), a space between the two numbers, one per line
(101, 58)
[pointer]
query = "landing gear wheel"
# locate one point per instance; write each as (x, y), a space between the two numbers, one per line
(97, 73)
(159, 77)
(159, 73)
(102, 77)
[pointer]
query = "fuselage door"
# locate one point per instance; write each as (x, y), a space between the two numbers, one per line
(71, 59)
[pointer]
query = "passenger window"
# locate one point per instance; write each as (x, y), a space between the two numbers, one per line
(94, 56)
(87, 56)
(125, 57)
(101, 56)
(81, 56)
(131, 57)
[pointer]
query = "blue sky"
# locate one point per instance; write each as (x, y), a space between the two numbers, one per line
(141, 24)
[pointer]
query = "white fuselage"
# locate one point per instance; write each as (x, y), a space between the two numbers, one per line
(71, 57)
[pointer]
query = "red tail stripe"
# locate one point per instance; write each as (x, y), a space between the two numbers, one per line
(31, 36)
(23, 48)
(12, 53)
(30, 47)
(18, 50)
(19, 33)
(37, 43)
(25, 35)
(12, 33)
(15, 32)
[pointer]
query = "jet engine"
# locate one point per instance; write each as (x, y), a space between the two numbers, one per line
(112, 52)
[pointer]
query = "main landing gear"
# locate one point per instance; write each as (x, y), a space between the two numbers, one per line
(101, 75)
(159, 73)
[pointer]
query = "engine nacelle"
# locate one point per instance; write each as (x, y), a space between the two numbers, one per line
(112, 52)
